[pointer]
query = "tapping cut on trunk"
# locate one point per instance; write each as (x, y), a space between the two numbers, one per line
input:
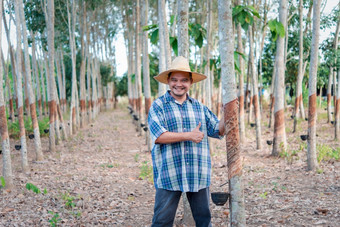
(232, 138)
(3, 123)
(312, 110)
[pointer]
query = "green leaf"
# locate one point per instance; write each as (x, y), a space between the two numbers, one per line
(154, 37)
(149, 27)
(174, 44)
(45, 191)
(28, 186)
(2, 181)
(199, 41)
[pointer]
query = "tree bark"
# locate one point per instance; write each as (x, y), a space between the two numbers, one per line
(279, 141)
(241, 84)
(298, 97)
(313, 70)
(24, 162)
(255, 89)
(6, 152)
(230, 102)
(52, 99)
(28, 79)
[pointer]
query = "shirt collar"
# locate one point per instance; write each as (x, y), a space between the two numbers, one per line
(169, 98)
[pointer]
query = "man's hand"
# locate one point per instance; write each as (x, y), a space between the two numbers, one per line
(196, 134)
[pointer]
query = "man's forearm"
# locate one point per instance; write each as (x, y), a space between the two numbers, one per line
(173, 137)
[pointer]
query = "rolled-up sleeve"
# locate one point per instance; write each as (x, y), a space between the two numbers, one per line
(156, 122)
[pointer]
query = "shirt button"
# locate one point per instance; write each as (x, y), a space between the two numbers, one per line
(187, 163)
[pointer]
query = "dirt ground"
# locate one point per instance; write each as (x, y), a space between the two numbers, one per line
(101, 176)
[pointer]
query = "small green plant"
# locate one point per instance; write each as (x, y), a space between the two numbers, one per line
(291, 155)
(69, 200)
(264, 195)
(2, 182)
(35, 189)
(326, 153)
(55, 219)
(146, 171)
(136, 157)
(319, 171)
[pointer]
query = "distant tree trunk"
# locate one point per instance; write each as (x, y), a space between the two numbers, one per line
(298, 97)
(241, 84)
(52, 99)
(24, 162)
(138, 75)
(63, 101)
(207, 71)
(71, 13)
(337, 104)
(82, 69)
(35, 73)
(279, 141)
(272, 97)
(43, 84)
(13, 63)
(226, 49)
(146, 70)
(329, 95)
(255, 89)
(37, 143)
(313, 70)
(182, 28)
(164, 58)
(6, 152)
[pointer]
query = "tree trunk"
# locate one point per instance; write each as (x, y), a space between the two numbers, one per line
(82, 69)
(241, 84)
(6, 152)
(146, 70)
(24, 162)
(71, 13)
(52, 99)
(279, 141)
(182, 28)
(35, 73)
(31, 98)
(337, 103)
(313, 70)
(255, 89)
(138, 75)
(298, 97)
(226, 49)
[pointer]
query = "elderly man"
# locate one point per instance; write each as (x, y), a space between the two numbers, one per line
(179, 127)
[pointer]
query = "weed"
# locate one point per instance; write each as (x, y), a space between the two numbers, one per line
(136, 157)
(35, 189)
(69, 200)
(99, 148)
(319, 171)
(326, 153)
(264, 195)
(146, 171)
(55, 219)
(2, 182)
(292, 155)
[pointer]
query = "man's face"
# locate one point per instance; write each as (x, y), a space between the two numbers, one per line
(179, 83)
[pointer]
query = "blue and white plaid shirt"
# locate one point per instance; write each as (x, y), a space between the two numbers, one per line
(181, 166)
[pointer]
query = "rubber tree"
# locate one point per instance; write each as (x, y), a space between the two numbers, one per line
(279, 141)
(298, 97)
(164, 43)
(230, 107)
(255, 89)
(146, 68)
(24, 162)
(313, 70)
(28, 78)
(49, 15)
(241, 81)
(337, 103)
(6, 152)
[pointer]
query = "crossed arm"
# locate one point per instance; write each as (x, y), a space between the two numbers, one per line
(195, 135)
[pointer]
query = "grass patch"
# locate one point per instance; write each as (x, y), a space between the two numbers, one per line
(14, 128)
(326, 153)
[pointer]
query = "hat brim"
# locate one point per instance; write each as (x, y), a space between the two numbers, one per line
(163, 77)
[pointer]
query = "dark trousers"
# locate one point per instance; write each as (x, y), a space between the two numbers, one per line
(166, 203)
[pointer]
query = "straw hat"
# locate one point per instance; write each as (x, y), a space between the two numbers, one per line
(179, 64)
